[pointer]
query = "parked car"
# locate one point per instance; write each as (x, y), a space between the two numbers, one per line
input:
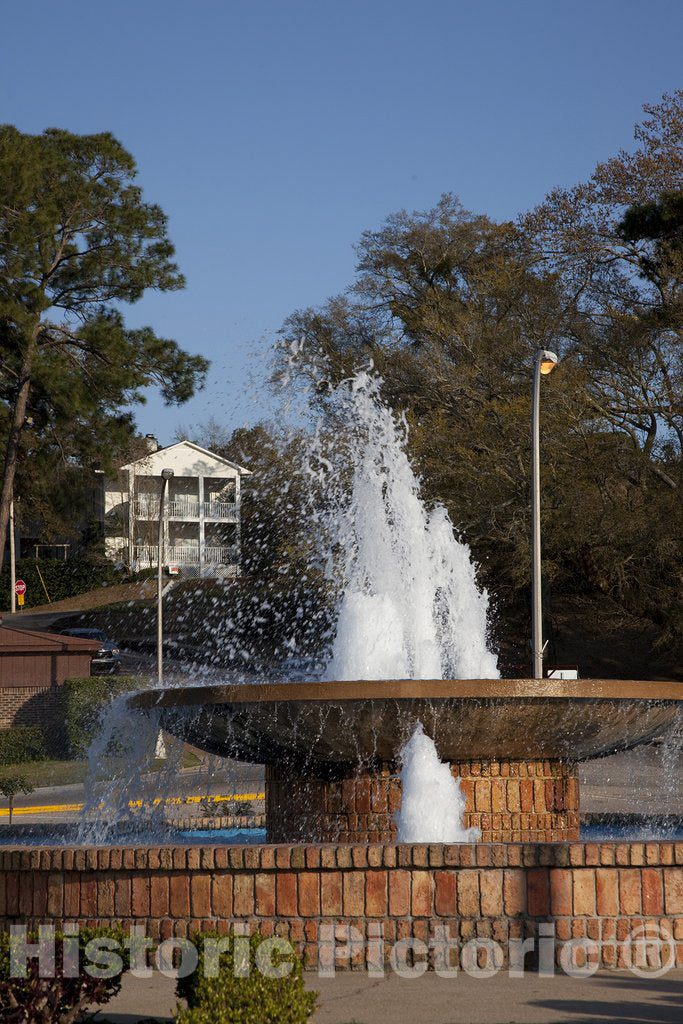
(107, 661)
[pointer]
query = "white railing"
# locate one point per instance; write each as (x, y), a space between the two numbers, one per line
(224, 510)
(183, 509)
(186, 554)
(148, 508)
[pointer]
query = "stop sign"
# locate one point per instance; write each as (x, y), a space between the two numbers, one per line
(20, 587)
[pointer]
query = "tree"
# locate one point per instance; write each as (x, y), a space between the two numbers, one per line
(450, 308)
(76, 241)
(10, 785)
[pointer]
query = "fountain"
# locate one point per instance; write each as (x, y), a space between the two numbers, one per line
(412, 795)
(410, 646)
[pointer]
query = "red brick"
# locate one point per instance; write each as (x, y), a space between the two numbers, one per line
(526, 795)
(468, 893)
(482, 795)
(200, 895)
(629, 891)
(399, 892)
(285, 893)
(673, 890)
(421, 893)
(444, 894)
(606, 891)
(89, 896)
(106, 888)
(331, 893)
(584, 892)
(243, 895)
(354, 893)
(265, 895)
(376, 894)
(653, 902)
(561, 892)
(513, 795)
(55, 895)
(538, 892)
(221, 893)
(491, 885)
(180, 896)
(309, 894)
(158, 893)
(514, 891)
(140, 896)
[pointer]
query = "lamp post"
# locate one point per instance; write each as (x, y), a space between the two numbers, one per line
(12, 557)
(166, 475)
(544, 364)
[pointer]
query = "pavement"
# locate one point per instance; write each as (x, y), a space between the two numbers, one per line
(355, 998)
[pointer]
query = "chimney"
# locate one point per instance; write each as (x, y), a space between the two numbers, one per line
(151, 443)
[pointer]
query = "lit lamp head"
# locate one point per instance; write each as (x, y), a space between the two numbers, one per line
(166, 474)
(548, 361)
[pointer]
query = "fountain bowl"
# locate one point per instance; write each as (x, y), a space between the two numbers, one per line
(331, 748)
(468, 719)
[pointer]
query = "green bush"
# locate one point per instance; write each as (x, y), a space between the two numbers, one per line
(23, 743)
(56, 1000)
(254, 999)
(62, 579)
(84, 699)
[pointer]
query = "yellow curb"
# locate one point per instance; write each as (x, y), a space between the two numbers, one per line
(174, 800)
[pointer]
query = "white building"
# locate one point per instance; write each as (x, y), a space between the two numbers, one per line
(201, 524)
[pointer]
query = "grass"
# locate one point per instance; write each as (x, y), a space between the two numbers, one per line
(69, 773)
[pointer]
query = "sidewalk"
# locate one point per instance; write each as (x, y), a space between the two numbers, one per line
(355, 998)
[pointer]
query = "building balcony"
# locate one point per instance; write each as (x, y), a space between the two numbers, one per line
(186, 554)
(184, 509)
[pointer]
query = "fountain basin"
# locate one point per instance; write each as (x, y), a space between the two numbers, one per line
(331, 748)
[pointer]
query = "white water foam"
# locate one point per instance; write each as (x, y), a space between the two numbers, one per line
(410, 605)
(432, 802)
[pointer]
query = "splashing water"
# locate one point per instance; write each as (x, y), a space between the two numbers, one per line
(410, 605)
(432, 802)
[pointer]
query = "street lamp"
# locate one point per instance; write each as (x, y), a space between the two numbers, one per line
(544, 364)
(166, 475)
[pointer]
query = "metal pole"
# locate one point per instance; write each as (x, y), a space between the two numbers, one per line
(536, 609)
(160, 622)
(12, 557)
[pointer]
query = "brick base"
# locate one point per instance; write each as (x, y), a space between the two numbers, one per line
(31, 705)
(509, 801)
(312, 895)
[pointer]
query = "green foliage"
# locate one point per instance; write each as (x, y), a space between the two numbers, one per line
(22, 743)
(254, 999)
(10, 785)
(450, 307)
(78, 240)
(62, 578)
(84, 700)
(58, 999)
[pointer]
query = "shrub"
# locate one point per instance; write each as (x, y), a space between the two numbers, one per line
(10, 785)
(84, 699)
(62, 579)
(22, 743)
(56, 1000)
(254, 999)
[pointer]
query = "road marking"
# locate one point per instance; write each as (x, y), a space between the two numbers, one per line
(173, 800)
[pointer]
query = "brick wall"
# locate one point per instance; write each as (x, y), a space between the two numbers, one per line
(497, 891)
(508, 800)
(31, 705)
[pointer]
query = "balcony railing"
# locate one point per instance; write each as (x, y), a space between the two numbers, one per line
(187, 554)
(223, 510)
(148, 508)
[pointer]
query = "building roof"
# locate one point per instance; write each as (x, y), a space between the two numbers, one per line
(14, 641)
(186, 458)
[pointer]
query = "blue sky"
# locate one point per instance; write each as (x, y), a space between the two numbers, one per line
(274, 133)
